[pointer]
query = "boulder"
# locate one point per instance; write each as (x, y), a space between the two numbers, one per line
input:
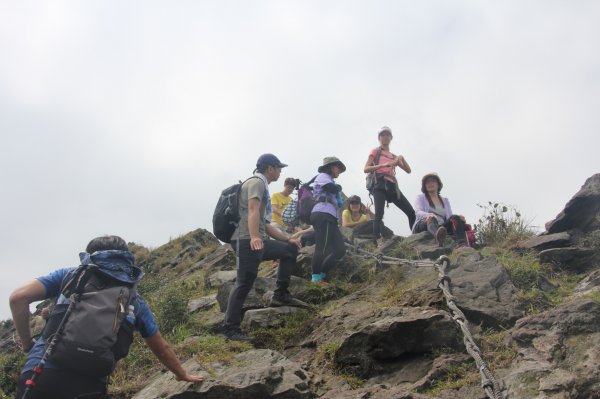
(574, 318)
(268, 317)
(484, 292)
(223, 258)
(559, 351)
(581, 212)
(425, 246)
(589, 284)
(576, 259)
(256, 374)
(219, 278)
(481, 286)
(204, 303)
(372, 340)
(542, 242)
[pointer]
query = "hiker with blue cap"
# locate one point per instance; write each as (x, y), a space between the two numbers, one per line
(251, 242)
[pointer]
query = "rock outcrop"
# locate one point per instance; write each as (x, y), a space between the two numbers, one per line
(257, 374)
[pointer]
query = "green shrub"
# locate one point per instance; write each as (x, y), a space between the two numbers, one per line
(10, 367)
(501, 225)
(171, 309)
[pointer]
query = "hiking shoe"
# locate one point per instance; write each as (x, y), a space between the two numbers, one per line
(235, 334)
(286, 299)
(440, 235)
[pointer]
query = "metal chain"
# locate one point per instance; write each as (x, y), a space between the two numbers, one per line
(488, 381)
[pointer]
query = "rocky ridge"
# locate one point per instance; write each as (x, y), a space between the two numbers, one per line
(386, 332)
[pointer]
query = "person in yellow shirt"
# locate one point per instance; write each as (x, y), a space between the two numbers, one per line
(355, 214)
(279, 201)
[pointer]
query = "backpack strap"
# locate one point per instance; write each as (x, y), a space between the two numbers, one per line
(377, 156)
(311, 181)
(81, 277)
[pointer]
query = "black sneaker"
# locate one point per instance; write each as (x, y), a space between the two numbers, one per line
(235, 334)
(286, 299)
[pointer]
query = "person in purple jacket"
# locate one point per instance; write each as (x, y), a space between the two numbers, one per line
(329, 242)
(434, 213)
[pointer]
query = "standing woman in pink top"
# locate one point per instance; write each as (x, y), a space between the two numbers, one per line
(383, 163)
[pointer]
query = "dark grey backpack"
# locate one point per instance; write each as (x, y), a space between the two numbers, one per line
(95, 333)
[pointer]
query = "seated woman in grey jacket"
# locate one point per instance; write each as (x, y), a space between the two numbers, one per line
(434, 213)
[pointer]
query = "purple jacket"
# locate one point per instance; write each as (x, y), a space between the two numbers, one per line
(325, 206)
(422, 209)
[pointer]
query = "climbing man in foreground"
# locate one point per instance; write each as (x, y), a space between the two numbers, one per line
(252, 246)
(90, 327)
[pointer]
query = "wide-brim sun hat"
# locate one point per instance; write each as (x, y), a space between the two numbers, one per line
(331, 161)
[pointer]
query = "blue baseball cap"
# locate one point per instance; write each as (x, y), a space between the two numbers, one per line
(269, 160)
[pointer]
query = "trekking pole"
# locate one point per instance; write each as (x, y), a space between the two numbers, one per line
(37, 370)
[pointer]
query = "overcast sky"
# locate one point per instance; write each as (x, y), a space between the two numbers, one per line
(129, 117)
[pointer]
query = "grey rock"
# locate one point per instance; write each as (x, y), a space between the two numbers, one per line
(257, 374)
(484, 292)
(373, 392)
(391, 334)
(426, 246)
(219, 278)
(268, 317)
(581, 211)
(590, 283)
(542, 242)
(223, 258)
(576, 259)
(574, 318)
(204, 303)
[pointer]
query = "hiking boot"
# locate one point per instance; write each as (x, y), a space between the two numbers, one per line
(235, 334)
(440, 235)
(286, 299)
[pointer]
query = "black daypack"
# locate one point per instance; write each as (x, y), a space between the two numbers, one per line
(94, 333)
(227, 212)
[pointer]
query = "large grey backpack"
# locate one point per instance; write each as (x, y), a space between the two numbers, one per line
(95, 333)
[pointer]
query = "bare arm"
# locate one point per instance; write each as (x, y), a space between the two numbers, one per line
(369, 167)
(277, 234)
(256, 242)
(19, 306)
(401, 161)
(165, 354)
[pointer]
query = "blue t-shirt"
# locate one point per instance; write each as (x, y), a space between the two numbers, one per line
(54, 283)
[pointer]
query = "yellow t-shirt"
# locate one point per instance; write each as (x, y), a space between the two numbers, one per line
(280, 201)
(348, 217)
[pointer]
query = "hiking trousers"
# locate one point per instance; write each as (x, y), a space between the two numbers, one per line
(389, 193)
(329, 242)
(248, 261)
(455, 226)
(62, 384)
